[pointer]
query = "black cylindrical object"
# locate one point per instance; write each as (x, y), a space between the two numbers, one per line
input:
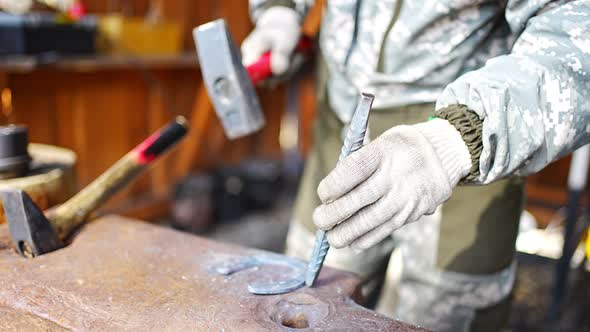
(263, 182)
(14, 155)
(230, 204)
(193, 208)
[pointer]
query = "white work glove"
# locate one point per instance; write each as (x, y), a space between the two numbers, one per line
(406, 173)
(277, 30)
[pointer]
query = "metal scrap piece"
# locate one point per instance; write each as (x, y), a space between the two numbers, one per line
(276, 287)
(235, 265)
(294, 279)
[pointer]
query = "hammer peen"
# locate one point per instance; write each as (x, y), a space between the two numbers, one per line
(34, 233)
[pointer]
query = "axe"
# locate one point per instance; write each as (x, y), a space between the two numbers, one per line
(35, 233)
(229, 84)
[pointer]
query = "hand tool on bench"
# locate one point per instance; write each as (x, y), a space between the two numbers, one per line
(231, 85)
(34, 233)
(353, 141)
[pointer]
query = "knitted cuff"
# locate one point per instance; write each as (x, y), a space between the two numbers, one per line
(449, 147)
(470, 126)
(284, 3)
(256, 12)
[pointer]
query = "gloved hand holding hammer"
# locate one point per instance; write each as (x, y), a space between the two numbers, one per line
(277, 30)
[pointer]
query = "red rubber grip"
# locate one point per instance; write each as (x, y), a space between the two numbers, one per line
(159, 142)
(260, 70)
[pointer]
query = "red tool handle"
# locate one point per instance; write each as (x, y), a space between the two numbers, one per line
(260, 70)
(160, 141)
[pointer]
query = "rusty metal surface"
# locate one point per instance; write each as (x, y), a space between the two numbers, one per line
(121, 274)
(15, 320)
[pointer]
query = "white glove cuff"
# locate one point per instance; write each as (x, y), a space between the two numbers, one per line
(449, 146)
(279, 15)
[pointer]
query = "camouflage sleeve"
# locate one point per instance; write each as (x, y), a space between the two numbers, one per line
(259, 6)
(535, 101)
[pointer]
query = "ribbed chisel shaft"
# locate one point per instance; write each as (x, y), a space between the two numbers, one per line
(353, 141)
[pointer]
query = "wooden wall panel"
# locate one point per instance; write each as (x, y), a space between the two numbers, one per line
(3, 85)
(36, 109)
(101, 113)
(307, 110)
(235, 13)
(128, 7)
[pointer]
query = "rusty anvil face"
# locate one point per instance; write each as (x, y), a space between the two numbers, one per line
(122, 274)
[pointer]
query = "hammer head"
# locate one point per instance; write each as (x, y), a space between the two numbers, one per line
(228, 84)
(31, 232)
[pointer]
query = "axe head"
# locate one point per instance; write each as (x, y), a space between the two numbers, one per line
(31, 232)
(228, 84)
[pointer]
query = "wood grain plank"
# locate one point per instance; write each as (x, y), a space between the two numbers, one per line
(200, 121)
(101, 112)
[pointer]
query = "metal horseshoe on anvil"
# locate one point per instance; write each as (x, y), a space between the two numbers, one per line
(294, 278)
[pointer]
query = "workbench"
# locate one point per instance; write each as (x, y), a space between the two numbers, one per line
(123, 274)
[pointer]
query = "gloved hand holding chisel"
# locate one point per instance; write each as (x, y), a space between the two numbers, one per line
(406, 173)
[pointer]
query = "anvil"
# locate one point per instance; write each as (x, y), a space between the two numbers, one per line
(123, 274)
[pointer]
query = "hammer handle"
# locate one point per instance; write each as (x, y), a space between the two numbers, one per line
(261, 69)
(75, 211)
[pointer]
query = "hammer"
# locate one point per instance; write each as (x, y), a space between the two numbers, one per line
(34, 233)
(229, 84)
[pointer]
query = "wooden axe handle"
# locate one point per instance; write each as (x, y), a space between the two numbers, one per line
(74, 212)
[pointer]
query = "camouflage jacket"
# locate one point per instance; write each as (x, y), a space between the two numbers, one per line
(522, 66)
